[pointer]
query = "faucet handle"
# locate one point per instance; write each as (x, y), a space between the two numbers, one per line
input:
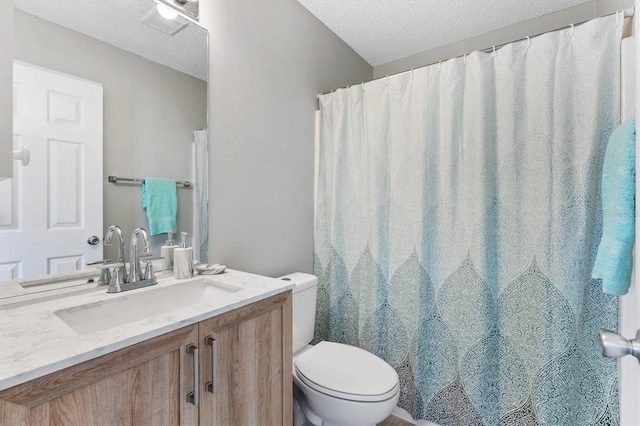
(105, 274)
(115, 285)
(148, 270)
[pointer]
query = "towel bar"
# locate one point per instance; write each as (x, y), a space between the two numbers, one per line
(116, 179)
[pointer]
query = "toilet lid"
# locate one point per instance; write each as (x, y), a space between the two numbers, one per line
(346, 372)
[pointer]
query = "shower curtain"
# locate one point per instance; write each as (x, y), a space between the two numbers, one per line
(457, 220)
(201, 195)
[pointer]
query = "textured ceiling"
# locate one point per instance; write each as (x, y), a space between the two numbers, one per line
(382, 31)
(117, 22)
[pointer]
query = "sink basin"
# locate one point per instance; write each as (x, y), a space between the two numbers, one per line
(141, 304)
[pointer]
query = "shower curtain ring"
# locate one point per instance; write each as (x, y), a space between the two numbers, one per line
(528, 42)
(573, 29)
(494, 51)
(464, 58)
(440, 66)
(618, 17)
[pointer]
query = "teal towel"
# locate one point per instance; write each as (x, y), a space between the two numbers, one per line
(614, 260)
(160, 201)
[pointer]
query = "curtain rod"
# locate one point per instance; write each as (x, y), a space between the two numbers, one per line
(116, 179)
(628, 13)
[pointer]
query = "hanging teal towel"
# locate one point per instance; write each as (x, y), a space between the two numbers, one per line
(160, 201)
(614, 260)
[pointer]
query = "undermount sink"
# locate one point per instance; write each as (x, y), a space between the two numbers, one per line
(141, 304)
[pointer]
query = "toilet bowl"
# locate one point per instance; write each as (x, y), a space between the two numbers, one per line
(344, 385)
(335, 384)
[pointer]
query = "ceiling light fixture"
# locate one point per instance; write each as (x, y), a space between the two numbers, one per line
(166, 12)
(154, 19)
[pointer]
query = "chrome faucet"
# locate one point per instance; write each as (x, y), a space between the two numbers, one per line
(134, 268)
(107, 242)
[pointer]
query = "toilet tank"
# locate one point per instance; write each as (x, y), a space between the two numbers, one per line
(305, 291)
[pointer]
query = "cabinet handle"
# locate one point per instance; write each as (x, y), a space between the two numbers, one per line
(194, 397)
(211, 386)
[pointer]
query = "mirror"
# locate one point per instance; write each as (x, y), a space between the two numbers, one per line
(154, 97)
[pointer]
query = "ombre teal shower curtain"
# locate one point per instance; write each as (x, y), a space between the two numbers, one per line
(457, 219)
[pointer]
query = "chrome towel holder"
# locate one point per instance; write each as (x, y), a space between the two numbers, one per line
(117, 179)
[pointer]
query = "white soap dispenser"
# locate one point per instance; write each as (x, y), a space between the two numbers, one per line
(183, 259)
(166, 251)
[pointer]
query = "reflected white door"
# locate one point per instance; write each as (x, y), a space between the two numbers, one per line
(51, 207)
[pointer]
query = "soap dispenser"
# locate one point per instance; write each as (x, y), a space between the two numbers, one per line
(167, 251)
(183, 259)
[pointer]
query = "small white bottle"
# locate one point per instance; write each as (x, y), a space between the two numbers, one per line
(183, 259)
(166, 251)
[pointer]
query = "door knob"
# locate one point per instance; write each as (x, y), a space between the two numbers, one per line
(23, 155)
(93, 240)
(613, 345)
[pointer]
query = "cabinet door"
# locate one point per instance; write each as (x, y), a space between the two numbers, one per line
(144, 384)
(252, 360)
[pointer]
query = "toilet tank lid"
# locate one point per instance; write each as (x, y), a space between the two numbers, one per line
(300, 280)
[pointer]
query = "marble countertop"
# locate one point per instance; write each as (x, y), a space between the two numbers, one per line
(34, 341)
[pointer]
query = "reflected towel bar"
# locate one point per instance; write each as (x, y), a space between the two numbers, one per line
(116, 179)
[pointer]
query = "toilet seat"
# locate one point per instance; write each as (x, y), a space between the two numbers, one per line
(346, 372)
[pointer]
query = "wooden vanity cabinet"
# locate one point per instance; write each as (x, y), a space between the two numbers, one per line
(142, 384)
(149, 383)
(252, 360)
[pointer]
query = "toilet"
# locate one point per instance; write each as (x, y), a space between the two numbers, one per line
(335, 384)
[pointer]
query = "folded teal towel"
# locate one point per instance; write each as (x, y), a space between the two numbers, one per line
(614, 260)
(160, 201)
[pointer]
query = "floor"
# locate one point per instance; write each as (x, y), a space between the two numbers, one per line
(395, 421)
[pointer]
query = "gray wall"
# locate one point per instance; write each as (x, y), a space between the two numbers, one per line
(268, 59)
(150, 113)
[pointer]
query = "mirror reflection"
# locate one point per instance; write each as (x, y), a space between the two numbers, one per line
(101, 88)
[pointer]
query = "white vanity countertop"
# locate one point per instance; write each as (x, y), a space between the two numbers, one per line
(34, 341)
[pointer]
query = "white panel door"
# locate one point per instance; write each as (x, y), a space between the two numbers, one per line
(51, 207)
